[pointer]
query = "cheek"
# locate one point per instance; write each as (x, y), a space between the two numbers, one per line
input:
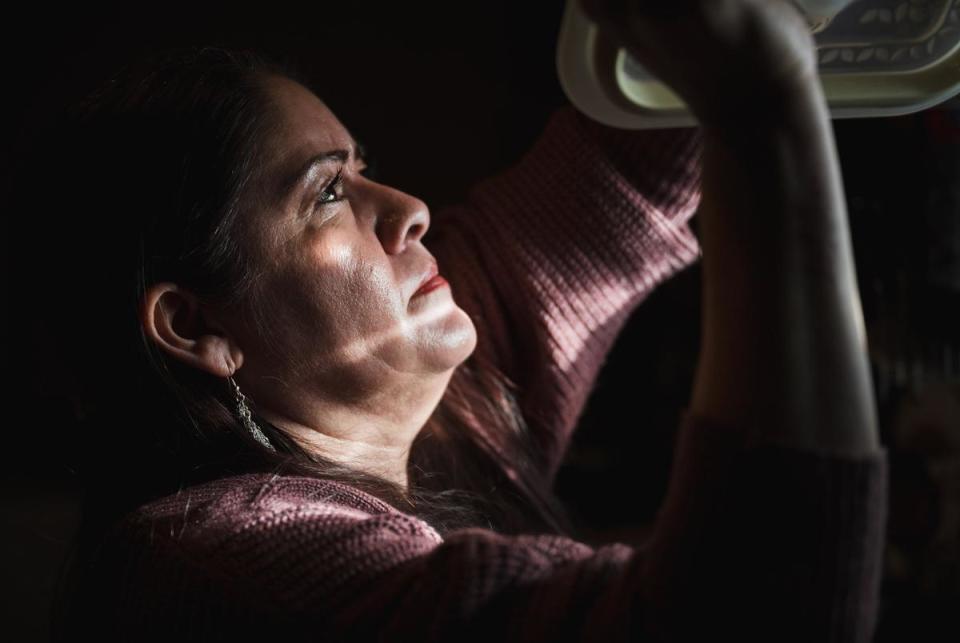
(334, 283)
(356, 273)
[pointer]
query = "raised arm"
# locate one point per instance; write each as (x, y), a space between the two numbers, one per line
(784, 350)
(551, 256)
(781, 304)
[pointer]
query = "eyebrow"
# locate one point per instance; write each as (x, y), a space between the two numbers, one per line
(301, 174)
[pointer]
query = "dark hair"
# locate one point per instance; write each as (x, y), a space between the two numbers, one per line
(164, 158)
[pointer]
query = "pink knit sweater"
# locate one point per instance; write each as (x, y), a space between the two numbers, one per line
(549, 258)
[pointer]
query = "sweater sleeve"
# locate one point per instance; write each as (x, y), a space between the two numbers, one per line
(551, 256)
(759, 542)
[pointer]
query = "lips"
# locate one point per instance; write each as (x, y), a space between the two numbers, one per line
(431, 272)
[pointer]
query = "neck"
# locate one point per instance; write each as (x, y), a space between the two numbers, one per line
(373, 435)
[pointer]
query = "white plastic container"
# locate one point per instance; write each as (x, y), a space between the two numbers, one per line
(876, 57)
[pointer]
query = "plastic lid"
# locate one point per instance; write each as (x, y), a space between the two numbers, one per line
(876, 58)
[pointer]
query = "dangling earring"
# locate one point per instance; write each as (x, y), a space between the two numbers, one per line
(245, 416)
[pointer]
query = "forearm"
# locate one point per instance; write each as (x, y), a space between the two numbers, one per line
(784, 349)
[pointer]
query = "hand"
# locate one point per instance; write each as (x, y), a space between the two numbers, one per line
(727, 59)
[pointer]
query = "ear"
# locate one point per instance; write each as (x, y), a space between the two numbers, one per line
(174, 319)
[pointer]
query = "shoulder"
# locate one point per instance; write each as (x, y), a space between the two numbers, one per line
(265, 503)
(312, 556)
(302, 537)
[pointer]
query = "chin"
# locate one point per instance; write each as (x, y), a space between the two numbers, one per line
(452, 342)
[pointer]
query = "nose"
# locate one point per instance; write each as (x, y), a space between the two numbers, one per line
(404, 219)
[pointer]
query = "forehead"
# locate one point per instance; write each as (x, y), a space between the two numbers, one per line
(305, 122)
(305, 127)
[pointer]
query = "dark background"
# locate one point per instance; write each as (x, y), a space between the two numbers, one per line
(445, 95)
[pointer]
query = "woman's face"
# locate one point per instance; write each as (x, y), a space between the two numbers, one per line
(339, 265)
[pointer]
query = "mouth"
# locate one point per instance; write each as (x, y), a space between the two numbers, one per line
(431, 280)
(431, 284)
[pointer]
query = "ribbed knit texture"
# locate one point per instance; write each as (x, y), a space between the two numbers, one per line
(550, 258)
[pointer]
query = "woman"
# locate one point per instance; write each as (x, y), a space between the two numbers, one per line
(333, 450)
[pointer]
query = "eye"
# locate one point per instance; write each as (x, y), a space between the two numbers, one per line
(331, 190)
(329, 194)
